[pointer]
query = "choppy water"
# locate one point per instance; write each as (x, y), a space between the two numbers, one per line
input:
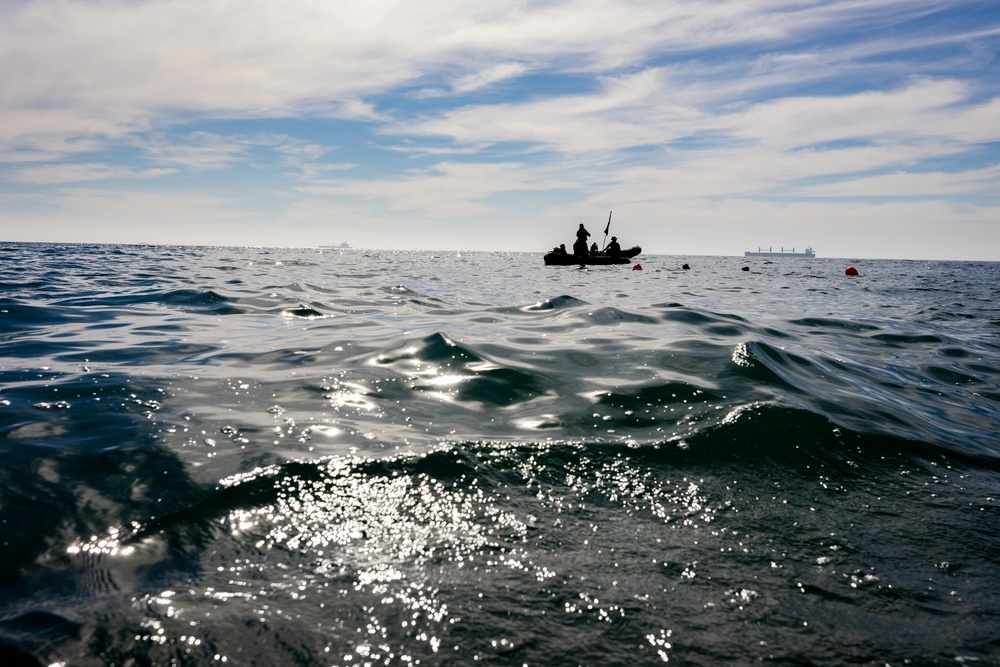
(304, 457)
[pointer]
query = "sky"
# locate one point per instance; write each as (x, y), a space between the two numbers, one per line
(861, 128)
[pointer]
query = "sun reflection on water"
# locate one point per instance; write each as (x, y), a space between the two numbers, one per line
(372, 552)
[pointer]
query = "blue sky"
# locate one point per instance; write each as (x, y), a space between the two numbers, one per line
(866, 128)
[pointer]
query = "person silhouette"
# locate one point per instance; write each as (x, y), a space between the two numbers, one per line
(614, 249)
(580, 247)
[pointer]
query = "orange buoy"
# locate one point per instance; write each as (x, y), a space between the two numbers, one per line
(637, 267)
(851, 271)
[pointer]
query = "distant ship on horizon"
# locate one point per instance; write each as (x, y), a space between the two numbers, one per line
(782, 253)
(338, 245)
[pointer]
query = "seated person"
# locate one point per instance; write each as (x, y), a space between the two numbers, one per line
(613, 248)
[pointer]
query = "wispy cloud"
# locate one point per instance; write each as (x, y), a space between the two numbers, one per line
(48, 174)
(910, 185)
(199, 151)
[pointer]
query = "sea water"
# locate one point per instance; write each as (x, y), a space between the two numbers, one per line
(255, 456)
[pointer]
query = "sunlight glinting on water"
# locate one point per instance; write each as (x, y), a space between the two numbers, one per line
(390, 536)
(685, 466)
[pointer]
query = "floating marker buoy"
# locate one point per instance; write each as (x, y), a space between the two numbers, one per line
(637, 267)
(851, 271)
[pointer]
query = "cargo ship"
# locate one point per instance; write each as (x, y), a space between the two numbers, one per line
(808, 252)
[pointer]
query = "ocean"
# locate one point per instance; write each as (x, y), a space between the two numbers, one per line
(253, 456)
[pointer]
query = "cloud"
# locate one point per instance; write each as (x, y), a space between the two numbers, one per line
(158, 210)
(487, 77)
(637, 110)
(205, 151)
(447, 190)
(48, 174)
(911, 185)
(199, 151)
(925, 108)
(113, 67)
(629, 110)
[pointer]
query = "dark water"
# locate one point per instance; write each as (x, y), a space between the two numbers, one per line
(295, 457)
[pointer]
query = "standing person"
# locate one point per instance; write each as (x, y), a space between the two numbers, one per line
(580, 247)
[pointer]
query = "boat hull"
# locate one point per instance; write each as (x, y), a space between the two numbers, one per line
(780, 254)
(565, 259)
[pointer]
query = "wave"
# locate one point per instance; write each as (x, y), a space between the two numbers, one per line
(277, 458)
(767, 511)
